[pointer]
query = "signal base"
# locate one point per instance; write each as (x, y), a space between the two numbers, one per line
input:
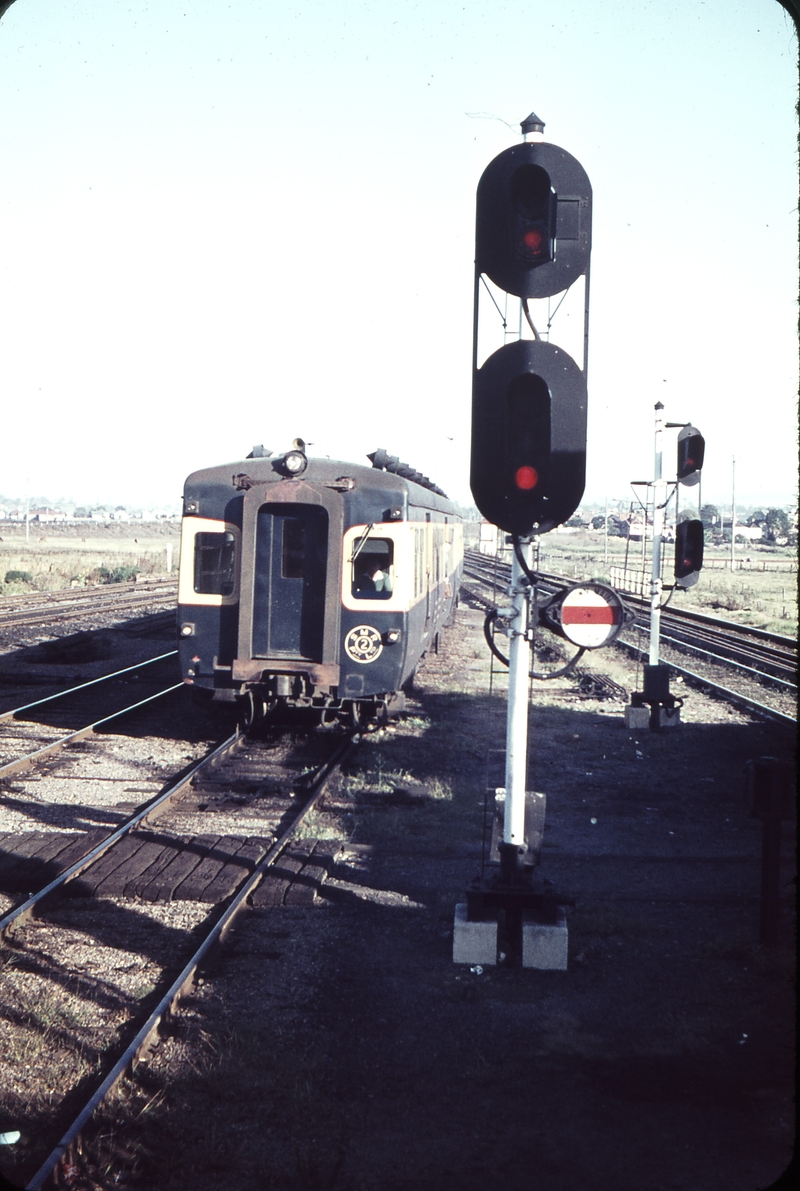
(654, 707)
(545, 944)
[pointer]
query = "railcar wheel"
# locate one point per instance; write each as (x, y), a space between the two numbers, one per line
(363, 716)
(252, 710)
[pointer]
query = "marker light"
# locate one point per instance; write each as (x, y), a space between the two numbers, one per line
(526, 478)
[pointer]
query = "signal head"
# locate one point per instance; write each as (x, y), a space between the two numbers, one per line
(688, 552)
(691, 453)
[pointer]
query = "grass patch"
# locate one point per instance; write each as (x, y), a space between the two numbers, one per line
(56, 565)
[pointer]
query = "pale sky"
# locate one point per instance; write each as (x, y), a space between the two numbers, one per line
(228, 224)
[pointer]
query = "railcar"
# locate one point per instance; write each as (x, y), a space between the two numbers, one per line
(311, 583)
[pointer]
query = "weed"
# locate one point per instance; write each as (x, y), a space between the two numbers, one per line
(117, 574)
(440, 791)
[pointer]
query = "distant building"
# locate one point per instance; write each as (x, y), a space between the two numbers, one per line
(48, 516)
(751, 533)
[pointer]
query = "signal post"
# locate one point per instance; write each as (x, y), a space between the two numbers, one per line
(654, 706)
(527, 474)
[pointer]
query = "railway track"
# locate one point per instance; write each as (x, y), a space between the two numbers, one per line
(221, 833)
(762, 666)
(56, 607)
(36, 730)
(652, 875)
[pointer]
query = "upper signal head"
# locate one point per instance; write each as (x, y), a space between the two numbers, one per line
(691, 452)
(534, 220)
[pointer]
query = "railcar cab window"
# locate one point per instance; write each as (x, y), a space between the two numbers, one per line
(214, 558)
(373, 570)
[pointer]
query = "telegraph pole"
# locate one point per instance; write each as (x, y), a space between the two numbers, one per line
(733, 515)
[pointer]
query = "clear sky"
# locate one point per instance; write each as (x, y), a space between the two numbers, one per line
(232, 223)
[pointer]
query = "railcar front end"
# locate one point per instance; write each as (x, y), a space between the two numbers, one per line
(311, 583)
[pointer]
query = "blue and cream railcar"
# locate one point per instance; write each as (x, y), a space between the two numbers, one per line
(313, 583)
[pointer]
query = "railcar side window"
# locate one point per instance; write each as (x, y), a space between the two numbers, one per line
(214, 556)
(373, 570)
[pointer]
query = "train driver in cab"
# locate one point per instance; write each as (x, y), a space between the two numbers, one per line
(373, 578)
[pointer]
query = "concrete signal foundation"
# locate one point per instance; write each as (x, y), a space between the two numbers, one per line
(474, 942)
(544, 944)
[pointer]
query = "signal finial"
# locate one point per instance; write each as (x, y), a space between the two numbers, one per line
(532, 128)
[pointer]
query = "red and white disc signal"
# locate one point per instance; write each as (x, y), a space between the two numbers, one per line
(591, 615)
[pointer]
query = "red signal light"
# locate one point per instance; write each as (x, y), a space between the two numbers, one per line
(526, 478)
(533, 240)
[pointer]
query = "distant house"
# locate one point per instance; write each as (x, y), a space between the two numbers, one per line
(751, 533)
(48, 516)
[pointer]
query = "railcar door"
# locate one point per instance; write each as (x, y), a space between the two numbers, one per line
(289, 581)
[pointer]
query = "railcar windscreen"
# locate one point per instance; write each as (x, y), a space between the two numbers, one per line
(214, 557)
(373, 570)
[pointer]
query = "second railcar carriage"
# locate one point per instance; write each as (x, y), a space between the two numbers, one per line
(313, 583)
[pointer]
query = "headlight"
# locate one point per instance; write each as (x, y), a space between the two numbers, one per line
(295, 463)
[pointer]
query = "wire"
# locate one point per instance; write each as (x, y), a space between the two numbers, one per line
(564, 669)
(530, 575)
(527, 314)
(491, 295)
(671, 591)
(489, 620)
(550, 317)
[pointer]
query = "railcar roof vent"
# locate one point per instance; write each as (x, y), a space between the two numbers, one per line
(382, 460)
(259, 452)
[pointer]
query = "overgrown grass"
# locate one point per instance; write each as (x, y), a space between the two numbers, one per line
(56, 571)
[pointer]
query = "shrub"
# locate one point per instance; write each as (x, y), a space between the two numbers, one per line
(117, 574)
(19, 577)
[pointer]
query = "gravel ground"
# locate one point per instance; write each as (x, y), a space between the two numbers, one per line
(338, 1046)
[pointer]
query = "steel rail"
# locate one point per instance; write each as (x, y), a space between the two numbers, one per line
(687, 614)
(678, 643)
(722, 633)
(6, 715)
(65, 594)
(85, 595)
(145, 1036)
(150, 810)
(15, 620)
(80, 734)
(726, 692)
(692, 676)
(718, 622)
